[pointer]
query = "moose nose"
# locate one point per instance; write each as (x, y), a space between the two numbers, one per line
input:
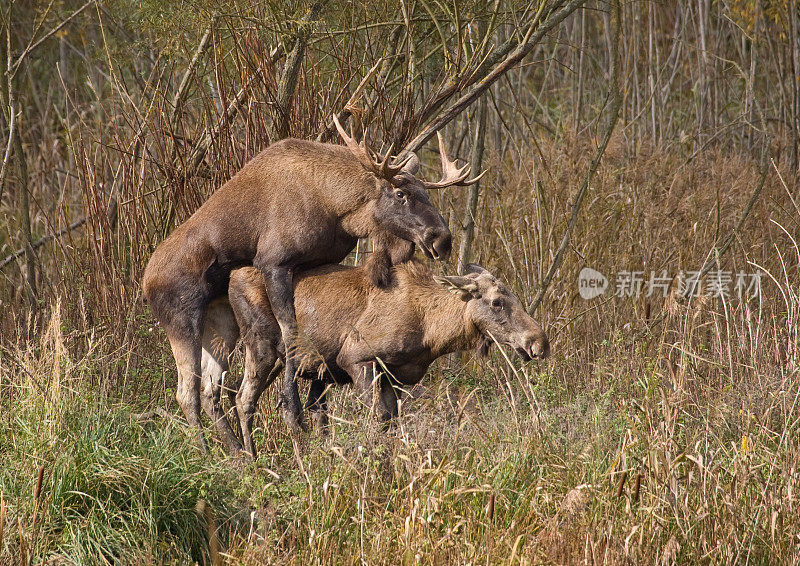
(538, 346)
(440, 243)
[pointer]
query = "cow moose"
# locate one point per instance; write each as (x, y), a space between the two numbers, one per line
(296, 205)
(346, 323)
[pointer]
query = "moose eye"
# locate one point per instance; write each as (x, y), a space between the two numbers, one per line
(400, 195)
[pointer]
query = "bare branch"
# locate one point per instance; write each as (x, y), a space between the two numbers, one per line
(531, 39)
(291, 70)
(11, 133)
(615, 94)
(13, 68)
(341, 116)
(183, 88)
(41, 241)
(202, 145)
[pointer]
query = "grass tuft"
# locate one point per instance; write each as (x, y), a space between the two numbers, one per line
(114, 490)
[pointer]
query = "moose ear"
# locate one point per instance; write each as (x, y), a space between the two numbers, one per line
(412, 165)
(464, 287)
(474, 268)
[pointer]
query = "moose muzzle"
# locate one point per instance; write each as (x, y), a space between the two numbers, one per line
(437, 243)
(536, 347)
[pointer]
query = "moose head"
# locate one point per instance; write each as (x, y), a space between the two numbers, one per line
(497, 313)
(402, 207)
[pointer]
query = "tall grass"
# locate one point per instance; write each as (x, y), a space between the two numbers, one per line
(635, 444)
(85, 479)
(661, 431)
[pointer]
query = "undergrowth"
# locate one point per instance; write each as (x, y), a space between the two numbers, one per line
(91, 484)
(661, 431)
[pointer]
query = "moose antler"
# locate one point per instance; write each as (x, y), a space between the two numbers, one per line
(367, 157)
(451, 173)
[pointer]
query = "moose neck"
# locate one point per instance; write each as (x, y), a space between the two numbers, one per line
(349, 191)
(359, 220)
(448, 328)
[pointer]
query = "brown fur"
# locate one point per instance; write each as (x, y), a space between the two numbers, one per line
(348, 323)
(296, 205)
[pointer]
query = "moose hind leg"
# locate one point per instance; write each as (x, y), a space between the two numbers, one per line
(219, 339)
(207, 383)
(187, 357)
(258, 375)
(216, 368)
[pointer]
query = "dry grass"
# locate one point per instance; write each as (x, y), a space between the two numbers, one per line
(661, 431)
(674, 445)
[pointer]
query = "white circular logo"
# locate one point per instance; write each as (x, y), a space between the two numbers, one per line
(591, 283)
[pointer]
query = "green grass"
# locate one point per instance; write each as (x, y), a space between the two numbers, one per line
(543, 464)
(114, 490)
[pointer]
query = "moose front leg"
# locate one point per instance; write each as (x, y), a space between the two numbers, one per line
(363, 375)
(388, 408)
(389, 251)
(357, 359)
(280, 291)
(366, 378)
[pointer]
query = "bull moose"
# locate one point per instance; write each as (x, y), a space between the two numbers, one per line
(347, 323)
(296, 205)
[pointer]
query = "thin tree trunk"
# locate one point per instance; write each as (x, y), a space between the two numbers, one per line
(533, 36)
(9, 111)
(468, 222)
(651, 83)
(615, 96)
(25, 224)
(578, 105)
(747, 132)
(291, 71)
(702, 81)
(11, 77)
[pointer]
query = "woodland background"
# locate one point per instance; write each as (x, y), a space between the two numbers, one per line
(620, 136)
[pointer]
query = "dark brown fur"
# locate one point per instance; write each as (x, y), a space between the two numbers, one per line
(347, 323)
(296, 205)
